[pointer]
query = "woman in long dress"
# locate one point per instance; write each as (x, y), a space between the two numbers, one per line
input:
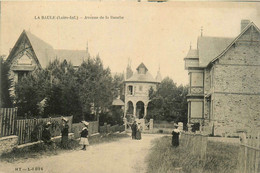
(84, 135)
(175, 136)
(138, 132)
(65, 133)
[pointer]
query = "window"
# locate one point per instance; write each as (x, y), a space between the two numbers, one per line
(197, 109)
(141, 70)
(130, 90)
(197, 79)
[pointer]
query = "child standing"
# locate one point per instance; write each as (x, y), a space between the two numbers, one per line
(84, 135)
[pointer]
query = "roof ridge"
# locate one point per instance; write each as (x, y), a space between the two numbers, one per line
(39, 39)
(236, 38)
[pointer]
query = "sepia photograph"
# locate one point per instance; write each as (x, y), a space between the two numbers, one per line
(134, 86)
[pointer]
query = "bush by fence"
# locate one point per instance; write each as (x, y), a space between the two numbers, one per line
(30, 130)
(27, 130)
(92, 128)
(107, 128)
(163, 124)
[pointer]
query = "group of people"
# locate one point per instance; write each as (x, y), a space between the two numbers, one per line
(136, 130)
(46, 134)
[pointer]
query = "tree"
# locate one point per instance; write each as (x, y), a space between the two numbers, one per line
(95, 86)
(6, 100)
(118, 85)
(29, 91)
(62, 94)
(168, 102)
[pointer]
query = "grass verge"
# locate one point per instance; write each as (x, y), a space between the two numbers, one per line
(221, 157)
(40, 150)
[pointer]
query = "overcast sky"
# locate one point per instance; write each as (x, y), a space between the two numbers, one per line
(152, 33)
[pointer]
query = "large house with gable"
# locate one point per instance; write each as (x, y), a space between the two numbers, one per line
(30, 53)
(224, 87)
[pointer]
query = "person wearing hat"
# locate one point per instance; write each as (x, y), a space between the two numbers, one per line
(84, 135)
(139, 130)
(46, 134)
(64, 133)
(134, 129)
(175, 136)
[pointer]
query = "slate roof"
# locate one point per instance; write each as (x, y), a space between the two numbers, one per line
(147, 77)
(234, 40)
(74, 56)
(44, 51)
(118, 102)
(211, 47)
(193, 53)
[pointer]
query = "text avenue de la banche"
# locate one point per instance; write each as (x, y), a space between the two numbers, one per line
(77, 17)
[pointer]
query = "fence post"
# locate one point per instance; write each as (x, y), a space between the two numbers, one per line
(257, 153)
(151, 124)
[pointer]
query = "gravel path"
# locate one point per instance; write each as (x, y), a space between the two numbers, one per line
(123, 156)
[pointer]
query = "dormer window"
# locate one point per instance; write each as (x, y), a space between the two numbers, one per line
(141, 69)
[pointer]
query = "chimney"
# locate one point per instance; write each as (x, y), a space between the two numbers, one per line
(244, 23)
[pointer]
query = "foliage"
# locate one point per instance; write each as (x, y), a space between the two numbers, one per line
(113, 117)
(163, 157)
(6, 100)
(168, 102)
(95, 86)
(29, 91)
(118, 85)
(62, 97)
(61, 90)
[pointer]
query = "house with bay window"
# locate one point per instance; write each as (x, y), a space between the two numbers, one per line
(224, 82)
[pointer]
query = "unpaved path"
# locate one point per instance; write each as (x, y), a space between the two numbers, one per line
(123, 156)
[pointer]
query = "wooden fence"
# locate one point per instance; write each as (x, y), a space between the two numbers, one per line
(30, 130)
(196, 143)
(7, 121)
(249, 156)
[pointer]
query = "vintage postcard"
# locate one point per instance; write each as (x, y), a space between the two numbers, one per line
(129, 86)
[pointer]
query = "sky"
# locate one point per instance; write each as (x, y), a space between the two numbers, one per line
(157, 34)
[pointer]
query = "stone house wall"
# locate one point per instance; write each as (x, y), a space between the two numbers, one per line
(237, 88)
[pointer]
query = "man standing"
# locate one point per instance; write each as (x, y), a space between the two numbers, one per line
(134, 129)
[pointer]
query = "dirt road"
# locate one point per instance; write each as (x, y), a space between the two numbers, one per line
(123, 156)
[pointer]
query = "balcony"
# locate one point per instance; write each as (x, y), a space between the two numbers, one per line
(196, 91)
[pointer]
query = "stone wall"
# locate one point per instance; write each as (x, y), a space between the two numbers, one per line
(7, 143)
(233, 112)
(236, 80)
